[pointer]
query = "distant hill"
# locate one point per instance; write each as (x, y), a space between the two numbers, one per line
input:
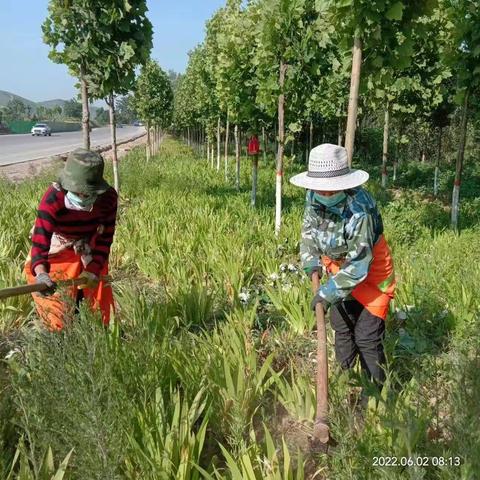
(52, 103)
(5, 97)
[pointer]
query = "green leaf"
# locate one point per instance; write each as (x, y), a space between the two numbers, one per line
(395, 12)
(295, 127)
(63, 467)
(377, 62)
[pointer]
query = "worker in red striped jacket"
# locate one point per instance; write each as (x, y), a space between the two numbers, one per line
(71, 239)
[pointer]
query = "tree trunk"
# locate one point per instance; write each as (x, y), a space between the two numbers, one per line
(113, 131)
(264, 141)
(275, 134)
(254, 179)
(212, 155)
(218, 145)
(208, 150)
(459, 165)
(227, 134)
(85, 111)
(340, 133)
(310, 141)
(148, 143)
(386, 126)
(237, 158)
(281, 146)
(353, 99)
(437, 166)
(227, 138)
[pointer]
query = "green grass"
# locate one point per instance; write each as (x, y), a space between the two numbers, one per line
(211, 355)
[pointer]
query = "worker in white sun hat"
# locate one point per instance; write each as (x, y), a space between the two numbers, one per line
(342, 234)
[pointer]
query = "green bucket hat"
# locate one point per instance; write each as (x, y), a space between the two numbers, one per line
(83, 173)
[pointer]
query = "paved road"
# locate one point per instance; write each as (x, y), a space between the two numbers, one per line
(23, 148)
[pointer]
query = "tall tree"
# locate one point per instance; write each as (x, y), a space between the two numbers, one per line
(154, 100)
(375, 28)
(235, 82)
(124, 36)
(410, 85)
(101, 42)
(281, 34)
(464, 59)
(70, 31)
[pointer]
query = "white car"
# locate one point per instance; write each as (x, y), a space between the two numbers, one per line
(41, 129)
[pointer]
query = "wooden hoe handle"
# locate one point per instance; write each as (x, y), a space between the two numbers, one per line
(321, 429)
(40, 287)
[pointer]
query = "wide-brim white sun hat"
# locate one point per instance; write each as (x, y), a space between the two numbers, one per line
(328, 171)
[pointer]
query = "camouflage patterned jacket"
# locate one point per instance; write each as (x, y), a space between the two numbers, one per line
(347, 231)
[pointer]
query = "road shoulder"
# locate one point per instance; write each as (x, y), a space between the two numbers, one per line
(18, 172)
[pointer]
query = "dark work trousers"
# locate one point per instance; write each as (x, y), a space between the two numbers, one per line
(363, 338)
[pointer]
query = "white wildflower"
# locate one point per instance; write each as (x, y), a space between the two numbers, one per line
(273, 277)
(244, 296)
(443, 314)
(292, 268)
(11, 353)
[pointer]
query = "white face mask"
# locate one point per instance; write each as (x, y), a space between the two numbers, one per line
(80, 203)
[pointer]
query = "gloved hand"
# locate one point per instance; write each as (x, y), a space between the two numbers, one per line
(44, 279)
(318, 299)
(89, 280)
(311, 270)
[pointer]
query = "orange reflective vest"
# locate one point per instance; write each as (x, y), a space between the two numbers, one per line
(54, 309)
(376, 291)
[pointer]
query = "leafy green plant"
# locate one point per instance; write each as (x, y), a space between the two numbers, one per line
(264, 461)
(293, 301)
(298, 396)
(46, 469)
(168, 437)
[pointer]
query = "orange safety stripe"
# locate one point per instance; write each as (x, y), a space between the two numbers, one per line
(377, 290)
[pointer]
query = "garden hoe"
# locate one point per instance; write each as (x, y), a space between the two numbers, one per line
(40, 287)
(321, 430)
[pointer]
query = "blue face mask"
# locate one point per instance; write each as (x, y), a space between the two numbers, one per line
(331, 200)
(81, 203)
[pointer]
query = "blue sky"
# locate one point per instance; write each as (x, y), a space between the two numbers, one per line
(26, 70)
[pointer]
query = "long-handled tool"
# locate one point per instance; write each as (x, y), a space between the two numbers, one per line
(321, 430)
(40, 287)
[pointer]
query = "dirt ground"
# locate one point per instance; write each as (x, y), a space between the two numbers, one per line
(21, 171)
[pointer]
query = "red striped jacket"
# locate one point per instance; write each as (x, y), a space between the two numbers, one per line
(54, 217)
